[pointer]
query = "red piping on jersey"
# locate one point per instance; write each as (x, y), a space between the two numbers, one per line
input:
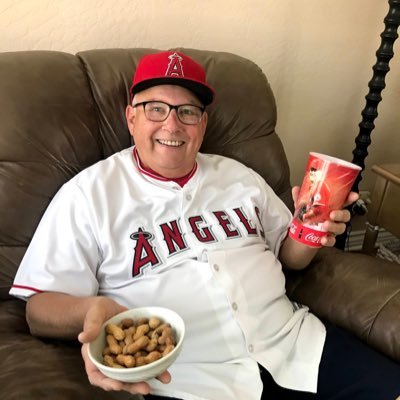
(27, 288)
(149, 172)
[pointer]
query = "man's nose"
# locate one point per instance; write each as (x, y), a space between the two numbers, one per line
(172, 119)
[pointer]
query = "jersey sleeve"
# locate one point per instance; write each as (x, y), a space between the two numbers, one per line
(275, 217)
(63, 255)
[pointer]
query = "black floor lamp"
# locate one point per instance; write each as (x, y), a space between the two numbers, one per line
(383, 56)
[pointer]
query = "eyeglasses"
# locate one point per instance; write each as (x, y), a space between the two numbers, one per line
(158, 111)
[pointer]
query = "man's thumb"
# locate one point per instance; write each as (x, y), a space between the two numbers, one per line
(91, 328)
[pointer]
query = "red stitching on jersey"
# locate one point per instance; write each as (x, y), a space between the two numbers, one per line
(27, 288)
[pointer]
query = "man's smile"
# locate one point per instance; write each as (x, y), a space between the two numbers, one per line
(172, 143)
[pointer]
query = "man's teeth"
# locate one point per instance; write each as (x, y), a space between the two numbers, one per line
(174, 143)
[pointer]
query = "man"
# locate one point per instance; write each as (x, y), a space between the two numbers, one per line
(162, 224)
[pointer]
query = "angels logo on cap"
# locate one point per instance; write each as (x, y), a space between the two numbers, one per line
(172, 68)
(175, 66)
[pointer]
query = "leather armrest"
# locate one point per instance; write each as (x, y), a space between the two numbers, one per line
(34, 369)
(355, 291)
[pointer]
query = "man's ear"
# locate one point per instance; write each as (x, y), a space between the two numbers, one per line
(130, 115)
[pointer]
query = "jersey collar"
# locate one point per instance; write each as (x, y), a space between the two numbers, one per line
(181, 181)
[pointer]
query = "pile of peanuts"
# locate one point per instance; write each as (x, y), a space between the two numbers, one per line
(135, 343)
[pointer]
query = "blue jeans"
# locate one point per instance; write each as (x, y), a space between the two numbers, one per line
(349, 370)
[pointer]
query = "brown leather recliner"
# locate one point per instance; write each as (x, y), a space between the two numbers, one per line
(60, 113)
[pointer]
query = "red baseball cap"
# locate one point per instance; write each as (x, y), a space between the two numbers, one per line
(172, 68)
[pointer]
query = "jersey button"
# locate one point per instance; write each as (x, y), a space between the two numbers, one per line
(234, 306)
(251, 348)
(188, 197)
(216, 267)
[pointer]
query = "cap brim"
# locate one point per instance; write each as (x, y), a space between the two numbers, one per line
(203, 92)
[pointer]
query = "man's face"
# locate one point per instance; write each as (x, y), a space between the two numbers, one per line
(169, 147)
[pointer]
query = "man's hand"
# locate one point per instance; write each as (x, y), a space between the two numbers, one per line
(101, 310)
(296, 255)
(96, 378)
(336, 225)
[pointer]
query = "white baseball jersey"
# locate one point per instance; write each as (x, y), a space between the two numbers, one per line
(207, 250)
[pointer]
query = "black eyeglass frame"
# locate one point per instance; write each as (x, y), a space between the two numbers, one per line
(171, 107)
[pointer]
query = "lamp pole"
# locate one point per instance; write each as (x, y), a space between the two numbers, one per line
(383, 56)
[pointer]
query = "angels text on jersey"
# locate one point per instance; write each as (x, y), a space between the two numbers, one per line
(218, 226)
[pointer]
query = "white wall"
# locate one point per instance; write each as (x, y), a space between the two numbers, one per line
(317, 54)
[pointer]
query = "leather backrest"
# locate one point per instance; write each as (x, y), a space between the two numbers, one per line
(48, 133)
(60, 113)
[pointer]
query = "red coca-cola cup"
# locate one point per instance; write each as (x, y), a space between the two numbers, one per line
(326, 185)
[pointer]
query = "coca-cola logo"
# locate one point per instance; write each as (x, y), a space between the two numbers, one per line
(310, 237)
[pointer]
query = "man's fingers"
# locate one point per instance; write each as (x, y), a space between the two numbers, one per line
(91, 326)
(165, 377)
(329, 240)
(96, 378)
(101, 310)
(340, 216)
(351, 198)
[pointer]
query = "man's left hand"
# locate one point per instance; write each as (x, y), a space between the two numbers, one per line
(336, 224)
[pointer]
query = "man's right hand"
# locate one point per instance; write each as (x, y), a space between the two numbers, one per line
(96, 378)
(101, 310)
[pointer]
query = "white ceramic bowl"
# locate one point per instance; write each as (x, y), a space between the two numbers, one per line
(145, 372)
